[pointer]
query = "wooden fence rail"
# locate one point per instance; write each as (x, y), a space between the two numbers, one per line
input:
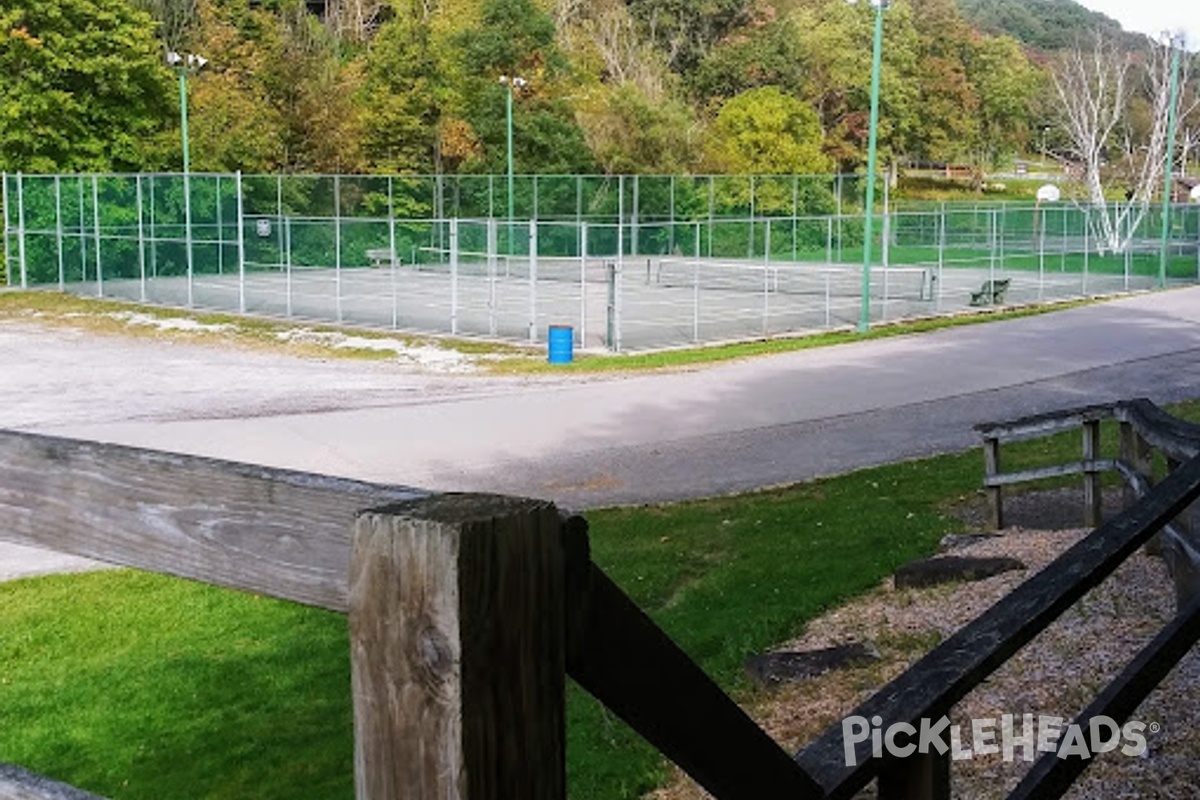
(466, 612)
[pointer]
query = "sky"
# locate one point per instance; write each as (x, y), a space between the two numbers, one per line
(1153, 16)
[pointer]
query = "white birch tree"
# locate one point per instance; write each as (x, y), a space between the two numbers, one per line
(1094, 86)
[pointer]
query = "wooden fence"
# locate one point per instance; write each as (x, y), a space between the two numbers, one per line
(1144, 430)
(466, 612)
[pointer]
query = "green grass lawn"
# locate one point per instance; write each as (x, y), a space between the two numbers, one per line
(141, 686)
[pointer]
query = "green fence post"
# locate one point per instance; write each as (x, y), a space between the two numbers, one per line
(21, 231)
(96, 235)
(241, 243)
(141, 243)
(58, 231)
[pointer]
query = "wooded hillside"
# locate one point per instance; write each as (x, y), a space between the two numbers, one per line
(631, 86)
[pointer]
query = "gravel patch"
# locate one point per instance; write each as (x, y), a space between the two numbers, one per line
(1055, 675)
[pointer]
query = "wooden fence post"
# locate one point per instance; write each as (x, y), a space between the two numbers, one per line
(1139, 456)
(458, 654)
(1093, 496)
(991, 468)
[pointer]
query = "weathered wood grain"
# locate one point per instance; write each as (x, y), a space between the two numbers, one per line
(1136, 458)
(1039, 425)
(17, 783)
(1173, 437)
(1092, 496)
(458, 650)
(991, 473)
(1054, 471)
(275, 532)
(939, 680)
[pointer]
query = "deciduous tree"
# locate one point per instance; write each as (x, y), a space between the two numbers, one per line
(84, 86)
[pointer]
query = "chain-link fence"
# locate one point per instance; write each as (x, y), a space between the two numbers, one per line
(629, 263)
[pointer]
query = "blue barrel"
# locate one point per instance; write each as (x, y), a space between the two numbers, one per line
(562, 344)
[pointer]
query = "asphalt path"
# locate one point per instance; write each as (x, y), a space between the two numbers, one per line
(593, 441)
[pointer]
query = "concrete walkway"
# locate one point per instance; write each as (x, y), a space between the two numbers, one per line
(602, 440)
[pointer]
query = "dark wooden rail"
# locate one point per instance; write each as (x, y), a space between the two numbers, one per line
(466, 612)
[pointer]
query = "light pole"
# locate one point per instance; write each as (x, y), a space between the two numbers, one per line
(510, 83)
(183, 65)
(1176, 44)
(864, 320)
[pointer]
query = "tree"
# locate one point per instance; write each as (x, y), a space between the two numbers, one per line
(175, 18)
(686, 29)
(1095, 87)
(233, 123)
(405, 95)
(1007, 85)
(629, 132)
(769, 55)
(764, 131)
(515, 37)
(948, 101)
(85, 87)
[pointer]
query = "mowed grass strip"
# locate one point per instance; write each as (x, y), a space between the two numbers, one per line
(142, 686)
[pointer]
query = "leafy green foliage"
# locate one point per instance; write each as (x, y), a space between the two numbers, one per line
(629, 133)
(84, 86)
(765, 131)
(411, 86)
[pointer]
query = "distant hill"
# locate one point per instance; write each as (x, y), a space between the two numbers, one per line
(1044, 25)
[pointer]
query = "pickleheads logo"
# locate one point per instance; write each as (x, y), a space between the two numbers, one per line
(991, 736)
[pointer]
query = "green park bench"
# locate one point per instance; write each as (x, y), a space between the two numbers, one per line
(991, 293)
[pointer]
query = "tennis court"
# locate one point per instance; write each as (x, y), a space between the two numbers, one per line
(630, 278)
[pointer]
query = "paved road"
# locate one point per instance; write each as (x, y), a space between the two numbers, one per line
(595, 441)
